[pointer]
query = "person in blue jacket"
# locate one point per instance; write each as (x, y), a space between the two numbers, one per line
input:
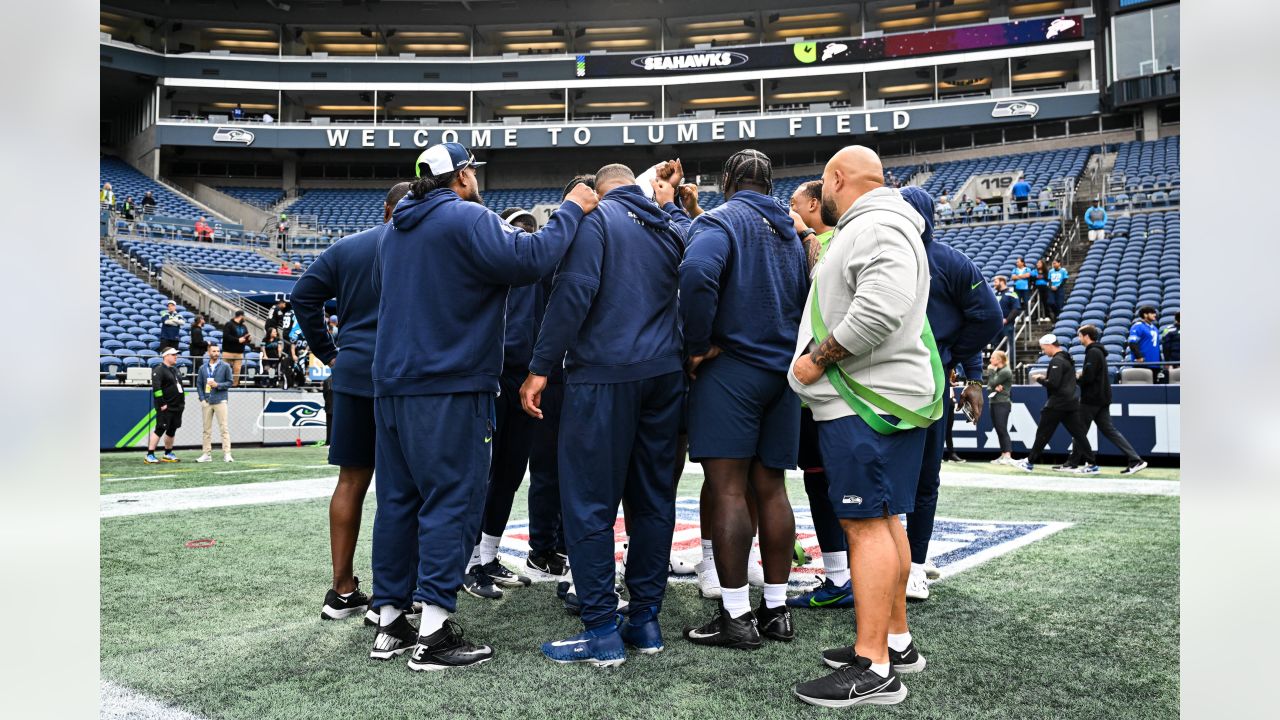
(1057, 277)
(743, 285)
(1144, 341)
(443, 268)
(611, 322)
(1095, 218)
(1010, 307)
(344, 271)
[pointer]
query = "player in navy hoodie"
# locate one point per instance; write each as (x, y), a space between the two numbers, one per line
(743, 285)
(345, 271)
(443, 270)
(611, 320)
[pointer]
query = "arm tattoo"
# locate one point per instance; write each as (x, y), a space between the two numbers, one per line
(829, 352)
(815, 249)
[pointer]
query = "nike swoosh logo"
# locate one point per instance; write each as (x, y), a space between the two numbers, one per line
(878, 688)
(696, 634)
(971, 287)
(489, 439)
(565, 643)
(814, 602)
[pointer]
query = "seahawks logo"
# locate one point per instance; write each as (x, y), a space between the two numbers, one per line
(293, 413)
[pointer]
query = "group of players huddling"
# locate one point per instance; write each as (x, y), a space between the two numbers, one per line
(594, 351)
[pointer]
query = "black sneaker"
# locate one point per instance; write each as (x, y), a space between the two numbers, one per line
(1066, 467)
(500, 575)
(907, 661)
(550, 563)
(1135, 468)
(725, 631)
(445, 648)
(414, 615)
(775, 623)
(853, 684)
(337, 607)
(476, 582)
(394, 639)
(954, 457)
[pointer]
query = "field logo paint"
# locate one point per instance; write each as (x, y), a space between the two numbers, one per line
(281, 414)
(956, 546)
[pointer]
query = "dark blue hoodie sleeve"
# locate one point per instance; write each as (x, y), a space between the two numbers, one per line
(309, 295)
(982, 316)
(513, 257)
(705, 258)
(572, 292)
(679, 218)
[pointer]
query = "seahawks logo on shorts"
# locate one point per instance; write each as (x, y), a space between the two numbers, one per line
(292, 413)
(852, 500)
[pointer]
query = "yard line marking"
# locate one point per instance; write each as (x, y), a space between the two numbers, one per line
(119, 702)
(1081, 484)
(237, 472)
(199, 498)
(139, 477)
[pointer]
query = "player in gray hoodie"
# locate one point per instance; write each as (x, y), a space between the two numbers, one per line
(873, 382)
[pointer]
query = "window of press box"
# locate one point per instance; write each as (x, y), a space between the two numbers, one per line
(1146, 42)
(1019, 133)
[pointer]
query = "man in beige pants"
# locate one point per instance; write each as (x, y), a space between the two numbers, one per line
(212, 383)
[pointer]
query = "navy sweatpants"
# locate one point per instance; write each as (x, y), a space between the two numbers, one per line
(619, 440)
(511, 441)
(546, 532)
(433, 466)
(920, 521)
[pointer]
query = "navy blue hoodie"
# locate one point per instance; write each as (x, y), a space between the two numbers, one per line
(613, 302)
(744, 282)
(343, 271)
(962, 311)
(443, 270)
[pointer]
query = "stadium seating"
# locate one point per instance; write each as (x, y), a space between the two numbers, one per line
(993, 248)
(129, 322)
(153, 254)
(1039, 168)
(256, 196)
(1146, 175)
(127, 181)
(340, 210)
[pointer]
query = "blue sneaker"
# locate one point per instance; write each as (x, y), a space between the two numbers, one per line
(150, 459)
(601, 647)
(641, 631)
(828, 594)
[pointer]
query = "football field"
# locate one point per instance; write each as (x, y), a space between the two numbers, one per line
(1054, 604)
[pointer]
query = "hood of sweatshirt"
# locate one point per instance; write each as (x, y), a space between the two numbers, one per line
(1099, 346)
(771, 209)
(882, 199)
(411, 211)
(922, 201)
(640, 207)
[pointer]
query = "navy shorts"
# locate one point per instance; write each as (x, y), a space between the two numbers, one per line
(351, 443)
(738, 410)
(870, 475)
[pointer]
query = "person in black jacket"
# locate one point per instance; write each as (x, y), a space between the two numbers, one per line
(166, 391)
(197, 346)
(235, 340)
(1062, 408)
(1095, 399)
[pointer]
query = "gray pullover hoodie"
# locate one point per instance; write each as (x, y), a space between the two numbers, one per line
(874, 282)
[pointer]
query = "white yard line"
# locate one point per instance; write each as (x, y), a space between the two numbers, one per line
(1079, 483)
(121, 703)
(996, 551)
(154, 501)
(251, 470)
(140, 477)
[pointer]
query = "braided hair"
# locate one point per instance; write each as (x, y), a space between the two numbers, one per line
(750, 166)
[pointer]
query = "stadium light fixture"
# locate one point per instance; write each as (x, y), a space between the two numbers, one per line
(430, 35)
(895, 9)
(342, 108)
(620, 43)
(910, 87)
(517, 46)
(243, 106)
(810, 17)
(349, 47)
(250, 32)
(729, 100)
(435, 47)
(903, 23)
(620, 105)
(432, 108)
(962, 16)
(720, 37)
(1036, 8)
(810, 31)
(533, 107)
(715, 25)
(546, 32)
(337, 34)
(1041, 75)
(810, 95)
(616, 30)
(247, 44)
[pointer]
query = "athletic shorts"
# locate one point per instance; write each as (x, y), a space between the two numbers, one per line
(810, 456)
(738, 410)
(351, 440)
(870, 475)
(168, 421)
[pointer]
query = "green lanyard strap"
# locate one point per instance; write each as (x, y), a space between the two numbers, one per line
(869, 404)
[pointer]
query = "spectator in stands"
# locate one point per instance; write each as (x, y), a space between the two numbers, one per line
(1000, 384)
(107, 197)
(1062, 408)
(237, 113)
(333, 324)
(1010, 306)
(1057, 279)
(271, 347)
(282, 232)
(284, 269)
(1021, 192)
(197, 346)
(980, 209)
(1021, 277)
(281, 317)
(1040, 277)
(204, 231)
(944, 209)
(1171, 341)
(1095, 400)
(1046, 200)
(235, 339)
(171, 323)
(1144, 341)
(166, 390)
(1095, 218)
(126, 211)
(148, 204)
(212, 382)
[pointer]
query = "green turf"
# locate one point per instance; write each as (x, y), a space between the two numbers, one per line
(1045, 470)
(125, 471)
(1083, 624)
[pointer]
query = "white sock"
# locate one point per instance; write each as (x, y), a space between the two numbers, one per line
(433, 618)
(475, 557)
(708, 555)
(387, 614)
(899, 642)
(775, 595)
(488, 548)
(836, 566)
(881, 669)
(736, 600)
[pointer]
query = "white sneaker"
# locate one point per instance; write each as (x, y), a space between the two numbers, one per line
(680, 566)
(1023, 465)
(755, 571)
(708, 580)
(998, 461)
(204, 458)
(228, 458)
(931, 571)
(917, 584)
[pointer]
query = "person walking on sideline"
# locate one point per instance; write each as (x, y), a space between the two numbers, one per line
(1000, 383)
(1062, 408)
(1095, 400)
(166, 391)
(211, 385)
